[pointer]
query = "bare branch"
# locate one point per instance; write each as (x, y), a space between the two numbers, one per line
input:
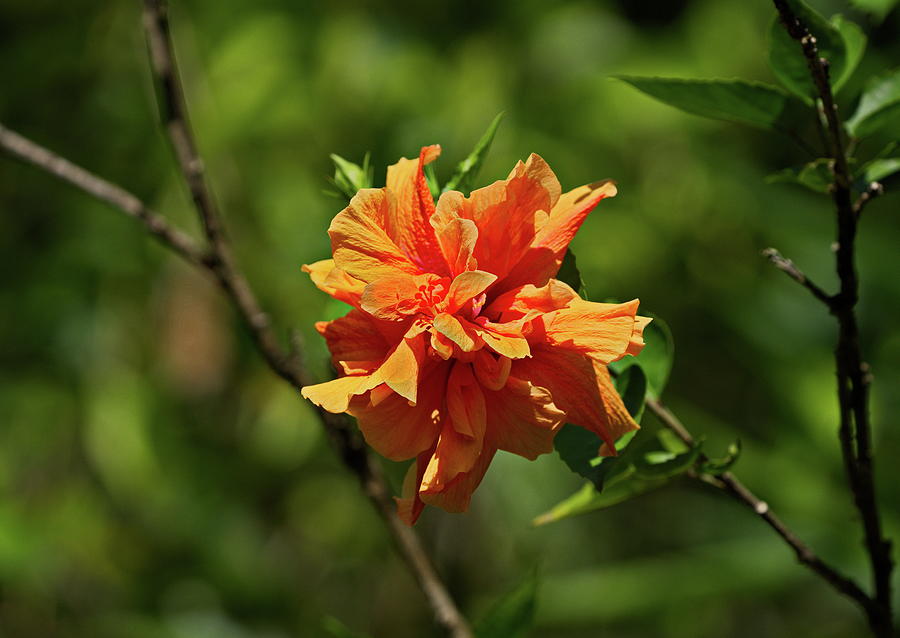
(874, 190)
(790, 269)
(730, 484)
(852, 373)
(27, 151)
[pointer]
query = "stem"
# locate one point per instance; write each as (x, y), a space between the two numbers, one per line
(852, 374)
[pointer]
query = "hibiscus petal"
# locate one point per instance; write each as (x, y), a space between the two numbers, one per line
(409, 505)
(465, 402)
(408, 224)
(577, 389)
(391, 298)
(360, 245)
(456, 236)
(544, 257)
(605, 332)
(394, 428)
(353, 338)
(492, 372)
(334, 396)
(455, 496)
(334, 281)
(619, 420)
(466, 286)
(508, 213)
(461, 332)
(523, 419)
(529, 301)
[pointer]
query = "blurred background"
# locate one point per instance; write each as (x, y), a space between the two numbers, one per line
(156, 480)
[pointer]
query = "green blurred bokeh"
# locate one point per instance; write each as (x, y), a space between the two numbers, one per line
(158, 481)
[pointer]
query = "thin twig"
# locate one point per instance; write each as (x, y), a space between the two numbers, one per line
(729, 483)
(790, 269)
(27, 151)
(852, 374)
(873, 190)
(156, 25)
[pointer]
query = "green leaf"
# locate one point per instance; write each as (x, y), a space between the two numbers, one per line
(722, 464)
(878, 106)
(878, 8)
(786, 57)
(434, 186)
(349, 178)
(878, 169)
(855, 45)
(751, 103)
(569, 274)
(632, 387)
(815, 175)
(577, 447)
(660, 464)
(512, 616)
(467, 170)
(655, 359)
(587, 499)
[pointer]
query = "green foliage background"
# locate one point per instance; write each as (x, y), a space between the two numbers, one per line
(157, 481)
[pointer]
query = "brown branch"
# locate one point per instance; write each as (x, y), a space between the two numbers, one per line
(218, 261)
(852, 374)
(790, 269)
(27, 151)
(873, 190)
(729, 483)
(353, 452)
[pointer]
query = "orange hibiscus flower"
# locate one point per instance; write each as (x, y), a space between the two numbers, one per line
(460, 342)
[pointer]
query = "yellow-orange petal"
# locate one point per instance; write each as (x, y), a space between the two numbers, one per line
(465, 402)
(334, 396)
(637, 337)
(505, 339)
(394, 428)
(456, 236)
(360, 245)
(491, 371)
(461, 332)
(456, 495)
(618, 419)
(528, 301)
(332, 280)
(466, 286)
(508, 213)
(391, 298)
(354, 338)
(523, 419)
(544, 257)
(402, 368)
(603, 331)
(574, 384)
(408, 224)
(409, 505)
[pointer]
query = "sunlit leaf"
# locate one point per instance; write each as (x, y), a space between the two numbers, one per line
(815, 175)
(879, 169)
(854, 44)
(878, 106)
(786, 57)
(658, 464)
(463, 177)
(512, 616)
(740, 101)
(349, 178)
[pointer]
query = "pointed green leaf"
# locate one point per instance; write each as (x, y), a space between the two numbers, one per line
(750, 103)
(431, 178)
(577, 447)
(659, 464)
(512, 616)
(854, 44)
(877, 170)
(655, 359)
(467, 170)
(815, 175)
(349, 178)
(786, 57)
(878, 106)
(587, 499)
(569, 274)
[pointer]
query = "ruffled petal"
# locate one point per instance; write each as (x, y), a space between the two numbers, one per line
(508, 213)
(394, 428)
(354, 341)
(391, 298)
(466, 286)
(409, 504)
(455, 495)
(605, 332)
(408, 224)
(333, 281)
(544, 257)
(577, 389)
(456, 236)
(523, 419)
(359, 243)
(526, 302)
